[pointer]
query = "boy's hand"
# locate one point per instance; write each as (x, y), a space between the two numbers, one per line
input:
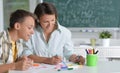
(23, 64)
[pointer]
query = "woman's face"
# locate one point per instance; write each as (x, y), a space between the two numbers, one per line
(47, 22)
(26, 28)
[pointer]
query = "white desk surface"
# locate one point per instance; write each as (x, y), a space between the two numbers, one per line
(102, 67)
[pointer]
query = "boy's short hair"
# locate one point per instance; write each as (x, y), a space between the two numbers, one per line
(19, 16)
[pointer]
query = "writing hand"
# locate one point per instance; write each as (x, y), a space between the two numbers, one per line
(55, 60)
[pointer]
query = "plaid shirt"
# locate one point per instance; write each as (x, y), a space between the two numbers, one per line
(6, 48)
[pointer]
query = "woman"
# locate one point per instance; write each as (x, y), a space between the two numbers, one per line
(11, 48)
(51, 41)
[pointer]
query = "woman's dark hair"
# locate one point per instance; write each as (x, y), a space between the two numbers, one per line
(19, 16)
(45, 8)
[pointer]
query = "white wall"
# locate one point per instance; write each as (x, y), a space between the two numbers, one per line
(40, 1)
(83, 35)
(32, 5)
(1, 16)
(93, 32)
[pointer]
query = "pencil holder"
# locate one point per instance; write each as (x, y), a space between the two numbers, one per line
(92, 59)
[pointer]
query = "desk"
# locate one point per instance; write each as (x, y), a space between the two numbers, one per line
(102, 67)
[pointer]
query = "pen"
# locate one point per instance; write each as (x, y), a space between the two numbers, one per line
(35, 64)
(56, 56)
(90, 51)
(86, 51)
(93, 51)
(70, 69)
(63, 64)
(65, 69)
(73, 67)
(96, 52)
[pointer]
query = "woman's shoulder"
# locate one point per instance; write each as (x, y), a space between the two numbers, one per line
(64, 29)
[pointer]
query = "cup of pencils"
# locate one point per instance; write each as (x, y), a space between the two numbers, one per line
(91, 57)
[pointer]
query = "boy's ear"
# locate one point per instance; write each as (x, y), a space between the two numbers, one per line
(17, 26)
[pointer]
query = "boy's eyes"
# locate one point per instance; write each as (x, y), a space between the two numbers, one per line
(30, 27)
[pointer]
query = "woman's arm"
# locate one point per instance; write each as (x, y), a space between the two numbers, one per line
(52, 60)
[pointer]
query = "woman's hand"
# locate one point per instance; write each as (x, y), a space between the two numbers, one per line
(77, 59)
(55, 60)
(80, 60)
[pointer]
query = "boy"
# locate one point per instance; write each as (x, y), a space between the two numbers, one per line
(21, 27)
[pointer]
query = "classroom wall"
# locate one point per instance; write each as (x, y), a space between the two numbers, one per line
(83, 35)
(1, 15)
(94, 32)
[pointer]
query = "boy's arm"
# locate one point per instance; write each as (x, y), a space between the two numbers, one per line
(6, 67)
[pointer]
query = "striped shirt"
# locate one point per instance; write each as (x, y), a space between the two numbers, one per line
(6, 53)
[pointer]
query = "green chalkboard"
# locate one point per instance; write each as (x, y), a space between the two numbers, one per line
(88, 13)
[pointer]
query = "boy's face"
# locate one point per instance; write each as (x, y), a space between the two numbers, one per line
(26, 28)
